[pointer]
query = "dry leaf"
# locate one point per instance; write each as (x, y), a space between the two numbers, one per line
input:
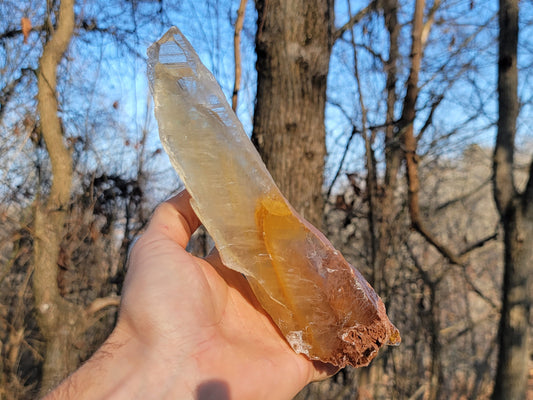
(26, 28)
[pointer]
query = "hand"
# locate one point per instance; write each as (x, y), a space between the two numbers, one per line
(190, 328)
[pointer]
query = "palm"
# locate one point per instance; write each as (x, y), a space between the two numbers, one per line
(182, 303)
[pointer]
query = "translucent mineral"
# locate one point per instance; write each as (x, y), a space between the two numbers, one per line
(323, 305)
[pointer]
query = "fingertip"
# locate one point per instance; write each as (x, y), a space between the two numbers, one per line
(182, 203)
(175, 218)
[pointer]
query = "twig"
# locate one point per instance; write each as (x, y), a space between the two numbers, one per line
(419, 392)
(101, 303)
(448, 203)
(476, 290)
(341, 163)
(479, 243)
(429, 119)
(237, 51)
(418, 226)
(354, 20)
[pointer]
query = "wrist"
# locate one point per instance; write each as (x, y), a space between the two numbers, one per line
(125, 368)
(151, 372)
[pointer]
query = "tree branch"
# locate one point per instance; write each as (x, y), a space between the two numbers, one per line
(369, 49)
(237, 52)
(429, 119)
(429, 22)
(462, 197)
(423, 273)
(341, 163)
(477, 291)
(9, 34)
(101, 303)
(462, 328)
(480, 243)
(431, 239)
(8, 90)
(528, 192)
(410, 141)
(354, 20)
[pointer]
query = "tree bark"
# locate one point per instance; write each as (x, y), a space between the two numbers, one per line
(393, 153)
(293, 44)
(516, 211)
(504, 187)
(55, 316)
(409, 113)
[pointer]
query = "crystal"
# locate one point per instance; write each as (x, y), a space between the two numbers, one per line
(323, 305)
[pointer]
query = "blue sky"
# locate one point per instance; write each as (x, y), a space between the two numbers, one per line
(107, 92)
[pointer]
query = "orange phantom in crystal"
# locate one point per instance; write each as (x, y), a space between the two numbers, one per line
(345, 321)
(322, 305)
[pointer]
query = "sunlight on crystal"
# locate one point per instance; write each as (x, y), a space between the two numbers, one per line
(323, 305)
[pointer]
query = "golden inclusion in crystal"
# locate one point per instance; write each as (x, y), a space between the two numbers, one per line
(344, 320)
(323, 305)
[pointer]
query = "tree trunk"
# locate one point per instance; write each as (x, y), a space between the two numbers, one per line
(436, 377)
(409, 113)
(393, 150)
(55, 316)
(516, 211)
(513, 357)
(293, 44)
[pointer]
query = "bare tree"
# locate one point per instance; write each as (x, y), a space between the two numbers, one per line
(516, 211)
(60, 321)
(50, 214)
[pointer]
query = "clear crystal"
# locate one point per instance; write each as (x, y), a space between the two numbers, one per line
(323, 305)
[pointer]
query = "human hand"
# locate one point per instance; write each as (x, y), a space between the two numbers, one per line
(191, 328)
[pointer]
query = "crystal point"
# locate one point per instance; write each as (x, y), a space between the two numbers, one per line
(323, 305)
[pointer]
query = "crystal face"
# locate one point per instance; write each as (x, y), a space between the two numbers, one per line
(323, 305)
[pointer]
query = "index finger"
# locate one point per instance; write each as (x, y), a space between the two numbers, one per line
(175, 219)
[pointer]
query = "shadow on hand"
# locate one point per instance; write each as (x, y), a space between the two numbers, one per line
(212, 390)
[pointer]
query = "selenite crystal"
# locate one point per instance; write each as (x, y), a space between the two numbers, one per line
(323, 305)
